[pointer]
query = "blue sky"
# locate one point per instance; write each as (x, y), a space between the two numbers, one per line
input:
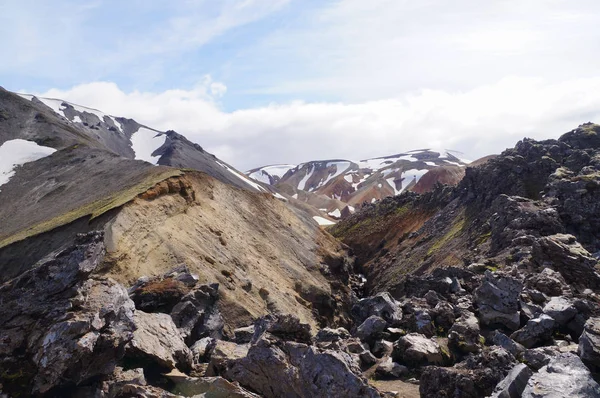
(284, 81)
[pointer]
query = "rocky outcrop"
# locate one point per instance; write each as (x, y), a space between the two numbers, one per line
(497, 300)
(297, 370)
(477, 376)
(564, 376)
(535, 331)
(589, 343)
(514, 383)
(60, 325)
(564, 254)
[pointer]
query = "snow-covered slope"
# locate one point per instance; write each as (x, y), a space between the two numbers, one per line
(125, 137)
(337, 187)
(14, 153)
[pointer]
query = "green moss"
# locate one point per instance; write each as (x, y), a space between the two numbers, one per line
(491, 268)
(484, 238)
(94, 209)
(481, 340)
(454, 230)
(402, 210)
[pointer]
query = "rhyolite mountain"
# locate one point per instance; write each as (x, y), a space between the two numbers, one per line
(134, 264)
(338, 187)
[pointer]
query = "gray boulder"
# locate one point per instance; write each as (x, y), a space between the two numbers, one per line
(561, 310)
(497, 300)
(389, 369)
(564, 376)
(549, 282)
(535, 331)
(514, 383)
(157, 339)
(244, 335)
(589, 342)
(475, 377)
(197, 315)
(371, 328)
(328, 334)
(290, 369)
(416, 349)
(383, 305)
(502, 340)
(464, 334)
(201, 349)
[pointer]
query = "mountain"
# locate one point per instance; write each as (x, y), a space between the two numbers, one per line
(338, 187)
(58, 124)
(135, 264)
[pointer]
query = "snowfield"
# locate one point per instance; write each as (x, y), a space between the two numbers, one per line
(144, 142)
(14, 153)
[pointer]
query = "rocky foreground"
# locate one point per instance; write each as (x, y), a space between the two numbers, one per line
(502, 303)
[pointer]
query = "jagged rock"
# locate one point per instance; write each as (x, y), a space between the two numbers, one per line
(383, 305)
(416, 349)
(497, 300)
(389, 369)
(371, 328)
(417, 316)
(589, 342)
(244, 335)
(502, 340)
(296, 370)
(549, 282)
(328, 334)
(382, 348)
(216, 387)
(157, 340)
(223, 353)
(514, 383)
(464, 334)
(443, 315)
(286, 327)
(560, 309)
(530, 311)
(354, 346)
(564, 254)
(564, 376)
(196, 314)
(536, 358)
(60, 324)
(475, 377)
(535, 331)
(432, 298)
(157, 294)
(367, 358)
(138, 391)
(201, 349)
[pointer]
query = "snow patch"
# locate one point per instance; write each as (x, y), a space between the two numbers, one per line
(144, 142)
(278, 196)
(340, 168)
(323, 221)
(16, 152)
(336, 213)
(243, 178)
(430, 164)
(348, 178)
(304, 181)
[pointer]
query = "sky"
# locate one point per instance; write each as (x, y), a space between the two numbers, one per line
(260, 82)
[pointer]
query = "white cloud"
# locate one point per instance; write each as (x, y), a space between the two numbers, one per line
(362, 50)
(478, 122)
